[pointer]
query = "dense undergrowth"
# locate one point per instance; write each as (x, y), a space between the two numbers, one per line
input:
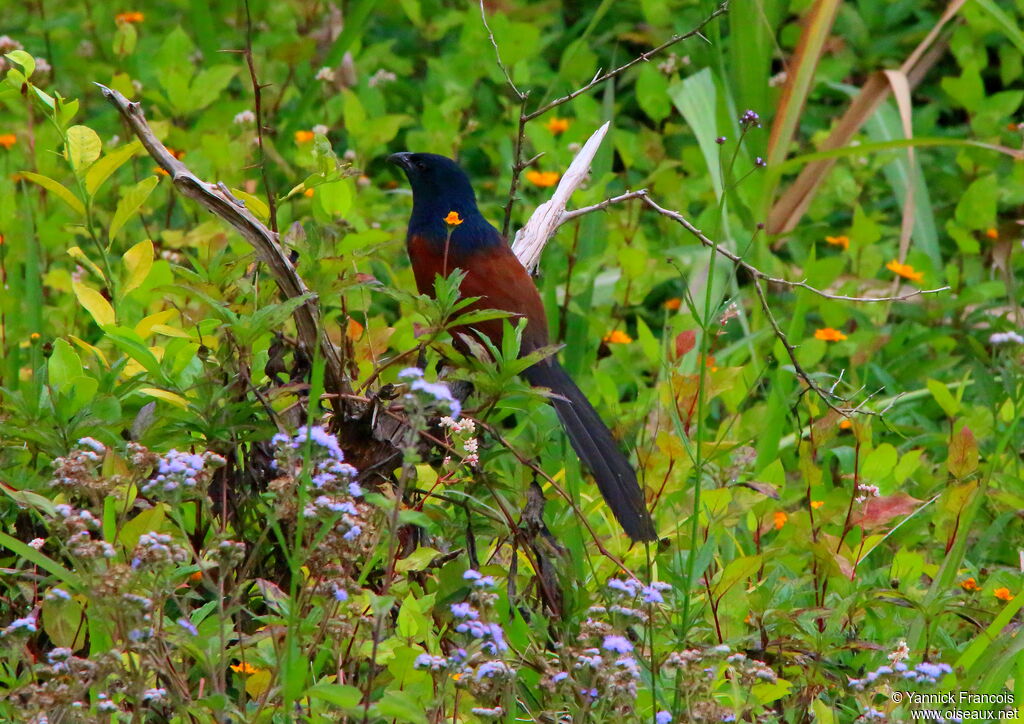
(837, 483)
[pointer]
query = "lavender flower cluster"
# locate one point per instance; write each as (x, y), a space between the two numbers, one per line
(334, 497)
(924, 673)
(429, 394)
(479, 665)
(180, 473)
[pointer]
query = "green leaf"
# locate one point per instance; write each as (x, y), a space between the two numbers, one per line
(945, 399)
(880, 462)
(137, 262)
(402, 706)
(977, 206)
(130, 203)
(652, 92)
(100, 171)
(209, 85)
(58, 189)
(83, 147)
(23, 59)
(335, 198)
(64, 623)
(64, 365)
(340, 695)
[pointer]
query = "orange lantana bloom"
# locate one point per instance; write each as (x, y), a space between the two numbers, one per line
(304, 136)
(617, 337)
(992, 233)
(817, 504)
(969, 584)
(828, 334)
(557, 125)
(780, 519)
(244, 668)
(130, 17)
(843, 241)
(543, 178)
(453, 218)
(904, 270)
(7, 140)
(1003, 594)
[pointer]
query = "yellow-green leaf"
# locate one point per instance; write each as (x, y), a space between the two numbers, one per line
(94, 303)
(83, 147)
(169, 331)
(100, 171)
(174, 399)
(78, 255)
(255, 204)
(130, 202)
(23, 59)
(145, 327)
(137, 262)
(58, 189)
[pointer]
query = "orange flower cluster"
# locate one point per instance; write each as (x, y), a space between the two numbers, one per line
(904, 270)
(244, 668)
(992, 234)
(1003, 594)
(828, 334)
(453, 218)
(557, 125)
(673, 304)
(130, 17)
(843, 241)
(543, 178)
(780, 519)
(969, 584)
(7, 140)
(304, 136)
(617, 337)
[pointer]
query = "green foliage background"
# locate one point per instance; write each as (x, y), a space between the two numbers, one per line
(129, 313)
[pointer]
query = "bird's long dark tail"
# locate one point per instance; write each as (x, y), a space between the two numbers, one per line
(593, 442)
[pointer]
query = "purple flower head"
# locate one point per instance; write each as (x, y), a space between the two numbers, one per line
(720, 140)
(354, 490)
(441, 393)
(410, 373)
(340, 594)
(663, 717)
(472, 575)
(652, 595)
(464, 610)
(618, 644)
(560, 676)
(187, 625)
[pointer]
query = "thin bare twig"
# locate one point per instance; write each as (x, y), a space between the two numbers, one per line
(518, 165)
(826, 395)
(258, 102)
(643, 57)
(497, 54)
(758, 274)
(263, 240)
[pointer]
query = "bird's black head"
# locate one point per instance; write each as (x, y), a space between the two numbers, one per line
(440, 186)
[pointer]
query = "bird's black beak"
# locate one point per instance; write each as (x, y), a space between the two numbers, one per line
(403, 160)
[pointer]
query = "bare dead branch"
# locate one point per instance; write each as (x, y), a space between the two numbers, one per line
(264, 241)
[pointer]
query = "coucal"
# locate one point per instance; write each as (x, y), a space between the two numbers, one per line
(495, 275)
